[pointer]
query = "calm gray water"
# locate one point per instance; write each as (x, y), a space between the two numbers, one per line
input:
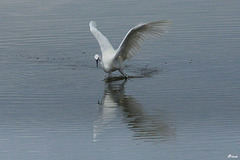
(55, 104)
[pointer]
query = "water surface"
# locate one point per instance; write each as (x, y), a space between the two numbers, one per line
(182, 101)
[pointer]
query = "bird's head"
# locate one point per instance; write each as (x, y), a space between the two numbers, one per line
(97, 58)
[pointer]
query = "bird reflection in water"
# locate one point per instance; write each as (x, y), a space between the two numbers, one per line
(117, 107)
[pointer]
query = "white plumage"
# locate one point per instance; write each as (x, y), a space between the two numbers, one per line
(112, 60)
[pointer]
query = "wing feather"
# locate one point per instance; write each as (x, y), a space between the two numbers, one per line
(102, 40)
(133, 40)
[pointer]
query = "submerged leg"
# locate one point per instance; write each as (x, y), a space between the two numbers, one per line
(124, 74)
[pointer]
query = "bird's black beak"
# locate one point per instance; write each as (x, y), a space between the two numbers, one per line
(97, 63)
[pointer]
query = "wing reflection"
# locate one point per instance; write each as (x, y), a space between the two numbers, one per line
(117, 107)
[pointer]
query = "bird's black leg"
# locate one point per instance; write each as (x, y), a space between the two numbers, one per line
(124, 74)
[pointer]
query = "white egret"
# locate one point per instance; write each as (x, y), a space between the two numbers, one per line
(111, 59)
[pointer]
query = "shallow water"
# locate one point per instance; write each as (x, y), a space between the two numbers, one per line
(181, 102)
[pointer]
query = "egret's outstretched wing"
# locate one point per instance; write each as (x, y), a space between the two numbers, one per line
(102, 40)
(133, 40)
